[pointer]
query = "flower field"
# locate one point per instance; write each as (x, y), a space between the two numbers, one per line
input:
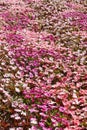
(43, 65)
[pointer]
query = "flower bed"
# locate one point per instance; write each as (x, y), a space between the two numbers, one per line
(43, 65)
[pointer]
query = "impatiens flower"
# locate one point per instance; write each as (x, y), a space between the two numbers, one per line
(33, 128)
(33, 121)
(17, 90)
(19, 128)
(61, 109)
(11, 128)
(16, 117)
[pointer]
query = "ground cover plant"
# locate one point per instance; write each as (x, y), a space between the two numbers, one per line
(43, 65)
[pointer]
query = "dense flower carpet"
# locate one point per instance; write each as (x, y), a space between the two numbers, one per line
(43, 64)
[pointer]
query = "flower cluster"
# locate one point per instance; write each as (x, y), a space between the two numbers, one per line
(43, 65)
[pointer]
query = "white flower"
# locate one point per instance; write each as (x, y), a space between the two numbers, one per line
(51, 58)
(17, 118)
(2, 63)
(32, 128)
(17, 110)
(13, 67)
(23, 113)
(4, 101)
(0, 67)
(8, 75)
(11, 128)
(25, 85)
(17, 90)
(14, 104)
(19, 128)
(40, 68)
(12, 62)
(33, 121)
